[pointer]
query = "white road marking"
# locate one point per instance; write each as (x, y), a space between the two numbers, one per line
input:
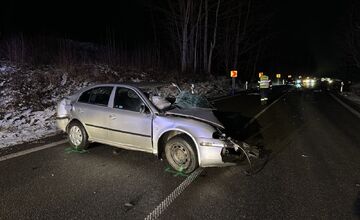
(172, 196)
(21, 153)
(264, 110)
(356, 113)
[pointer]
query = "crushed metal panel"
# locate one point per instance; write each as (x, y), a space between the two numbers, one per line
(205, 115)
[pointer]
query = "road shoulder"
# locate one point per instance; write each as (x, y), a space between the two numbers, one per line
(33, 144)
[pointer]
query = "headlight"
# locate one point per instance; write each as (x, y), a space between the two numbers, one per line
(211, 144)
(219, 135)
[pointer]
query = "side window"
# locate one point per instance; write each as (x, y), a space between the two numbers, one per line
(127, 99)
(97, 96)
(85, 96)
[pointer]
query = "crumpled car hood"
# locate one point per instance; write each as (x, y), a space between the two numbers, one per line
(204, 115)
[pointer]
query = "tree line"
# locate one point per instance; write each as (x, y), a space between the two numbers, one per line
(208, 35)
(204, 37)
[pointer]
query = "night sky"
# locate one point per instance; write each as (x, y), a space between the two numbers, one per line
(309, 35)
(306, 33)
(82, 21)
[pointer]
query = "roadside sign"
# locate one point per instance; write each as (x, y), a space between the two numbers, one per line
(233, 73)
(261, 74)
(278, 76)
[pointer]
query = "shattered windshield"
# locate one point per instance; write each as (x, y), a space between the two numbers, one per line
(186, 99)
(168, 97)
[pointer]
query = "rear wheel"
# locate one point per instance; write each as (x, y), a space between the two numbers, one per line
(180, 154)
(78, 137)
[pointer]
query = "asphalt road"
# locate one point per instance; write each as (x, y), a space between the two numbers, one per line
(313, 171)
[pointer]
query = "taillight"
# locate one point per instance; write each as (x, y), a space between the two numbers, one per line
(64, 107)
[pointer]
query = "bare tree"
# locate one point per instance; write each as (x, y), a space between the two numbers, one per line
(196, 37)
(205, 47)
(224, 31)
(213, 43)
(353, 35)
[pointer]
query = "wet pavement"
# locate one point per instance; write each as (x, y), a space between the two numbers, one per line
(313, 171)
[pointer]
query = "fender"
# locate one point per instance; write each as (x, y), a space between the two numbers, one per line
(184, 125)
(155, 149)
(76, 119)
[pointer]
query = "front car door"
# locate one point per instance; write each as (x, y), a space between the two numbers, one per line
(130, 121)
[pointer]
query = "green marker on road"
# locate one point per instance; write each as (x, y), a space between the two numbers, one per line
(175, 172)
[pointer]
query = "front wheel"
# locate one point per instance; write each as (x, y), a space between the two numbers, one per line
(180, 154)
(78, 137)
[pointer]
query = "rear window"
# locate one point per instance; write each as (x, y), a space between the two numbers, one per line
(96, 96)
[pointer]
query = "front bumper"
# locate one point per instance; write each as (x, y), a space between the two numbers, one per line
(226, 152)
(218, 152)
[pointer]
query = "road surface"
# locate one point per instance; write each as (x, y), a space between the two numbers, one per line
(313, 171)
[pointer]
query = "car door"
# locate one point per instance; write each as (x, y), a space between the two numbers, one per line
(91, 109)
(130, 121)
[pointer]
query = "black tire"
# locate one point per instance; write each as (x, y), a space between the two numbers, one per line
(84, 143)
(181, 155)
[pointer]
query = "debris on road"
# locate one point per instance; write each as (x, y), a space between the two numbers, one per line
(116, 151)
(128, 204)
(75, 150)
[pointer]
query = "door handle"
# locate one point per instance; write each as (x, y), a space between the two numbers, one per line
(80, 110)
(112, 117)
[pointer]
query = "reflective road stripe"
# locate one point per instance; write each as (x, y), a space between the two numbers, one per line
(260, 113)
(170, 198)
(21, 153)
(346, 106)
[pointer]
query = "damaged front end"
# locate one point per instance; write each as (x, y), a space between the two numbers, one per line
(218, 150)
(239, 152)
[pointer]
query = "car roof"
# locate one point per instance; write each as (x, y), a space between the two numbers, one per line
(140, 85)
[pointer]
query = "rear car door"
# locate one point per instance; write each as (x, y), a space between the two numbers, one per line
(130, 121)
(91, 109)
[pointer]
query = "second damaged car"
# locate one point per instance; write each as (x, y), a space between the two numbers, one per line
(181, 129)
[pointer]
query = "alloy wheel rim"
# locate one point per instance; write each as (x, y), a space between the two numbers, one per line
(75, 135)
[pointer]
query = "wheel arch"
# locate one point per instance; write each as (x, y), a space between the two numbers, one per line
(168, 134)
(74, 120)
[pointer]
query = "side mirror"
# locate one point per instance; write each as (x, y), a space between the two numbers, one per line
(175, 85)
(142, 108)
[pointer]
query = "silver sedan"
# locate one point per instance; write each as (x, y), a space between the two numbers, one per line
(184, 131)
